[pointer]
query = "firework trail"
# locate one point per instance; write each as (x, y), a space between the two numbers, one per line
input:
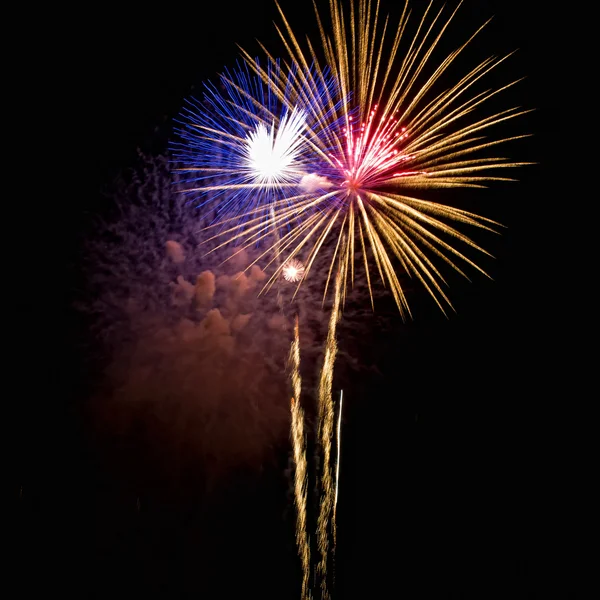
(326, 418)
(293, 270)
(300, 475)
(337, 468)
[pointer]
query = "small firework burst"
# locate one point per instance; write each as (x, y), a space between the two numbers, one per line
(293, 270)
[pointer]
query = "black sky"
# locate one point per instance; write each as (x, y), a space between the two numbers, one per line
(462, 472)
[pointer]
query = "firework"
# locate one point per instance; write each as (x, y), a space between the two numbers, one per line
(348, 167)
(394, 138)
(293, 270)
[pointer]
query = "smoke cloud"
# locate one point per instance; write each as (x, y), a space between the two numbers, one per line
(195, 360)
(194, 355)
(313, 182)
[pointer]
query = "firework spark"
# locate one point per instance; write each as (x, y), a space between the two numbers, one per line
(395, 136)
(300, 474)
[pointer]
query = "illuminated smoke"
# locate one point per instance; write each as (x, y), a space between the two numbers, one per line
(193, 360)
(313, 182)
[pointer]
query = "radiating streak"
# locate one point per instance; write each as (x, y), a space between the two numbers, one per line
(300, 471)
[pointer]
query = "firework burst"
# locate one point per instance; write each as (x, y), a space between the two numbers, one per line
(394, 138)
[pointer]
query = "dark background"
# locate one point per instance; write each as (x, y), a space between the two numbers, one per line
(464, 463)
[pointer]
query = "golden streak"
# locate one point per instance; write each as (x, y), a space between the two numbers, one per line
(326, 419)
(339, 446)
(337, 468)
(300, 472)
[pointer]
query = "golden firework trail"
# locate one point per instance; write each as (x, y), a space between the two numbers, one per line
(326, 419)
(338, 438)
(300, 473)
(396, 135)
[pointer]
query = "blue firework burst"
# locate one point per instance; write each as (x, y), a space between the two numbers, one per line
(257, 138)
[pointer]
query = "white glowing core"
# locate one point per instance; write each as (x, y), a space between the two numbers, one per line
(272, 153)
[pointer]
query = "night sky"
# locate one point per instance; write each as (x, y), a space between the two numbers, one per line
(463, 471)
